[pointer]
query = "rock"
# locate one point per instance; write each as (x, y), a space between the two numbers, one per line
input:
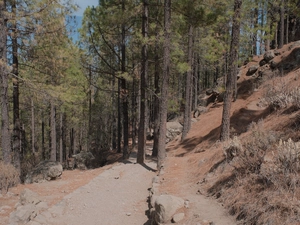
(173, 130)
(166, 206)
(199, 110)
(46, 170)
(29, 197)
(262, 62)
(269, 55)
(177, 217)
(252, 70)
(23, 214)
(83, 160)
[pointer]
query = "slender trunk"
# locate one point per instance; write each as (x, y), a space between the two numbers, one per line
(235, 37)
(196, 81)
(119, 118)
(32, 127)
(61, 138)
(16, 111)
(53, 132)
(281, 41)
(5, 132)
(156, 114)
(43, 139)
(124, 91)
(287, 29)
(188, 88)
(144, 89)
(165, 85)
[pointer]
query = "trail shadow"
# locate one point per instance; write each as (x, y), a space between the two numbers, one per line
(239, 122)
(241, 119)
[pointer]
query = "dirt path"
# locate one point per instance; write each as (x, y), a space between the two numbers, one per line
(116, 196)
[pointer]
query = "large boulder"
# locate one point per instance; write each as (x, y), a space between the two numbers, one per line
(83, 160)
(46, 170)
(165, 207)
(173, 130)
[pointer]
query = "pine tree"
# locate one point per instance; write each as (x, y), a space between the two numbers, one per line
(232, 70)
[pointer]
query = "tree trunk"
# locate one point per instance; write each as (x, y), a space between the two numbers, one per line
(16, 111)
(281, 41)
(233, 60)
(165, 85)
(144, 89)
(124, 91)
(32, 127)
(5, 132)
(61, 138)
(53, 132)
(188, 88)
(43, 139)
(119, 118)
(156, 114)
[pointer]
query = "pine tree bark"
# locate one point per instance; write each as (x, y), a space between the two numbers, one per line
(233, 60)
(53, 132)
(156, 114)
(16, 142)
(281, 40)
(188, 88)
(5, 132)
(144, 89)
(165, 85)
(124, 91)
(32, 127)
(61, 138)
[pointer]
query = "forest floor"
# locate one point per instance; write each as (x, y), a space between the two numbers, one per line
(117, 193)
(112, 195)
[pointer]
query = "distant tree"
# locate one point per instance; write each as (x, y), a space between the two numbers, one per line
(5, 131)
(144, 87)
(232, 70)
(165, 85)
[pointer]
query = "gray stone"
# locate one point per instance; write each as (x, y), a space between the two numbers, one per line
(252, 70)
(199, 111)
(269, 55)
(83, 160)
(23, 214)
(46, 170)
(173, 130)
(29, 197)
(177, 217)
(166, 206)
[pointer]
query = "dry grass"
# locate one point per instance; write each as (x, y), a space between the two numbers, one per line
(9, 176)
(263, 192)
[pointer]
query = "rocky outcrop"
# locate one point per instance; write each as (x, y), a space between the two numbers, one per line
(44, 171)
(173, 130)
(83, 160)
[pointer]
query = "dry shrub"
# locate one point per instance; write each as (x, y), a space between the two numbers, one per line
(9, 176)
(251, 150)
(269, 195)
(284, 174)
(281, 96)
(232, 148)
